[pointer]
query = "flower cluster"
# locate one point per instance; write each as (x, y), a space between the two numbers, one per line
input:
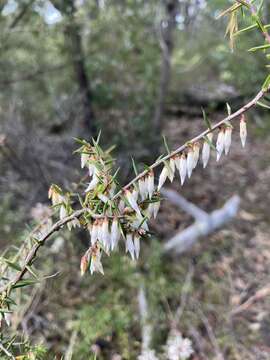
(111, 216)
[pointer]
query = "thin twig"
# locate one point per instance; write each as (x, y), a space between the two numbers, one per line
(6, 351)
(180, 149)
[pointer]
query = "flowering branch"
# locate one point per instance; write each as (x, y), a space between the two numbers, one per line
(134, 210)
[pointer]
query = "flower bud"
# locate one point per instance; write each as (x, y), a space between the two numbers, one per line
(84, 159)
(243, 130)
(84, 263)
(137, 246)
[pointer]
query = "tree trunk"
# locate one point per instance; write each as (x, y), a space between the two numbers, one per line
(86, 126)
(167, 44)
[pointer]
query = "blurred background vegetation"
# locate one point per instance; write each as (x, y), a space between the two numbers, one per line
(136, 70)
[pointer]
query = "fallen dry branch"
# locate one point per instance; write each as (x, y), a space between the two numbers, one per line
(204, 224)
(260, 294)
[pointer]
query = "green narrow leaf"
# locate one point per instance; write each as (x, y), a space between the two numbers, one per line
(261, 47)
(23, 283)
(229, 110)
(134, 167)
(263, 105)
(206, 120)
(13, 265)
(266, 83)
(31, 271)
(166, 144)
(254, 26)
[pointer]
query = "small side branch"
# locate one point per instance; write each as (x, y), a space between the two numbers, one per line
(183, 241)
(187, 206)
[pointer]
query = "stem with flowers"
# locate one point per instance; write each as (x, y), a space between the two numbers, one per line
(96, 217)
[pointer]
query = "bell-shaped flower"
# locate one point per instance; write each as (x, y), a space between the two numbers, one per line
(190, 161)
(156, 206)
(150, 183)
(227, 139)
(220, 143)
(93, 183)
(137, 245)
(103, 198)
(162, 177)
(105, 234)
(115, 233)
(196, 154)
(94, 232)
(63, 212)
(206, 150)
(243, 130)
(96, 265)
(84, 159)
(131, 198)
(182, 168)
(142, 183)
(130, 245)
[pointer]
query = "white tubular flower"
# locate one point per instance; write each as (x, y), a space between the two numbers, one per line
(103, 198)
(183, 168)
(105, 234)
(190, 162)
(227, 139)
(84, 159)
(220, 143)
(137, 246)
(206, 150)
(93, 183)
(63, 212)
(196, 155)
(177, 347)
(132, 200)
(96, 265)
(130, 245)
(162, 178)
(91, 169)
(172, 169)
(115, 233)
(156, 206)
(143, 188)
(121, 206)
(150, 183)
(243, 130)
(94, 232)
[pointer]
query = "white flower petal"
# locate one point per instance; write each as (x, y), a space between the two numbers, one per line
(183, 168)
(130, 245)
(93, 183)
(227, 139)
(150, 184)
(137, 246)
(206, 150)
(115, 234)
(190, 162)
(162, 178)
(220, 143)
